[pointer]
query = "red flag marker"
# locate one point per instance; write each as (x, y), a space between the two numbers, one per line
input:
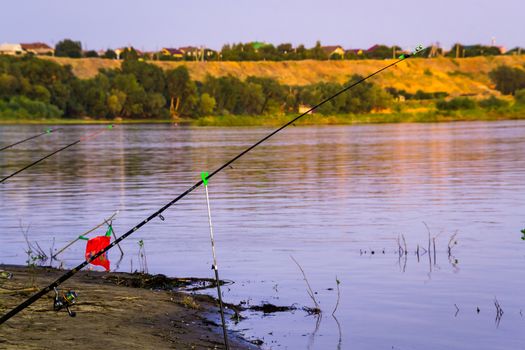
(94, 246)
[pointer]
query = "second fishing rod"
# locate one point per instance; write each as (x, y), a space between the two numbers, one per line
(48, 131)
(84, 138)
(158, 213)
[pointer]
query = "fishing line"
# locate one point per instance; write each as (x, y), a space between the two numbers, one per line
(72, 272)
(48, 131)
(85, 138)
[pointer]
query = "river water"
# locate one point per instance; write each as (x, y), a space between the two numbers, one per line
(328, 196)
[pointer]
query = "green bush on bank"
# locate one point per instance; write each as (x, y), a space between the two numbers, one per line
(21, 107)
(493, 103)
(455, 104)
(519, 97)
(508, 79)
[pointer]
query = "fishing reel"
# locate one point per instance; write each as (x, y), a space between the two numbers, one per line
(65, 300)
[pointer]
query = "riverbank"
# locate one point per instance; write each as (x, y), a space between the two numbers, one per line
(110, 315)
(314, 119)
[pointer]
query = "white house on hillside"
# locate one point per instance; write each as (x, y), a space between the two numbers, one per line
(11, 49)
(38, 49)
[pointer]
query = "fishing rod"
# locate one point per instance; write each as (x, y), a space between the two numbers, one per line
(159, 212)
(85, 138)
(48, 131)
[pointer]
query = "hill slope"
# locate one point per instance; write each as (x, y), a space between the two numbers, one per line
(464, 76)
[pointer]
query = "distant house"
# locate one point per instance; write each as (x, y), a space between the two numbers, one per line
(175, 53)
(11, 49)
(332, 51)
(121, 50)
(373, 48)
(210, 53)
(358, 52)
(38, 49)
(197, 53)
(191, 51)
(118, 52)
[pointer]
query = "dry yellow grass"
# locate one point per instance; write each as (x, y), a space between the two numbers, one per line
(454, 76)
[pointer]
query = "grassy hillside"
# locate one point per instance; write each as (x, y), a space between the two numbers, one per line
(465, 76)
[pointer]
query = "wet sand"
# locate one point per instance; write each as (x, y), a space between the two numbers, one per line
(109, 315)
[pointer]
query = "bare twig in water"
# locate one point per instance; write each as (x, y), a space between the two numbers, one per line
(452, 242)
(457, 310)
(434, 246)
(35, 254)
(314, 333)
(316, 309)
(338, 295)
(405, 244)
(340, 333)
(51, 251)
(429, 257)
(451, 258)
(433, 239)
(499, 311)
(399, 248)
(142, 257)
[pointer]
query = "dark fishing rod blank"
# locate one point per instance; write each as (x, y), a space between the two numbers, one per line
(72, 272)
(48, 131)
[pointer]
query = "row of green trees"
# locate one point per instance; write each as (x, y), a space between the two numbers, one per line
(142, 90)
(256, 51)
(31, 87)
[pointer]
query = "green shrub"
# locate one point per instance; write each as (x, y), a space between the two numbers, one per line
(519, 97)
(508, 79)
(20, 107)
(493, 103)
(456, 104)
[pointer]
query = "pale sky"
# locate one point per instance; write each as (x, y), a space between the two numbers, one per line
(153, 24)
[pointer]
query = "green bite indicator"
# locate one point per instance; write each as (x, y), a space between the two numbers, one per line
(204, 177)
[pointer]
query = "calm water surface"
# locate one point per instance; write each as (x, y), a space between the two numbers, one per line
(326, 195)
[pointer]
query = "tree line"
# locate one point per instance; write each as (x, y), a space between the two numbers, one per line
(35, 88)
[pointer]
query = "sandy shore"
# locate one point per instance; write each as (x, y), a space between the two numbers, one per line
(110, 315)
